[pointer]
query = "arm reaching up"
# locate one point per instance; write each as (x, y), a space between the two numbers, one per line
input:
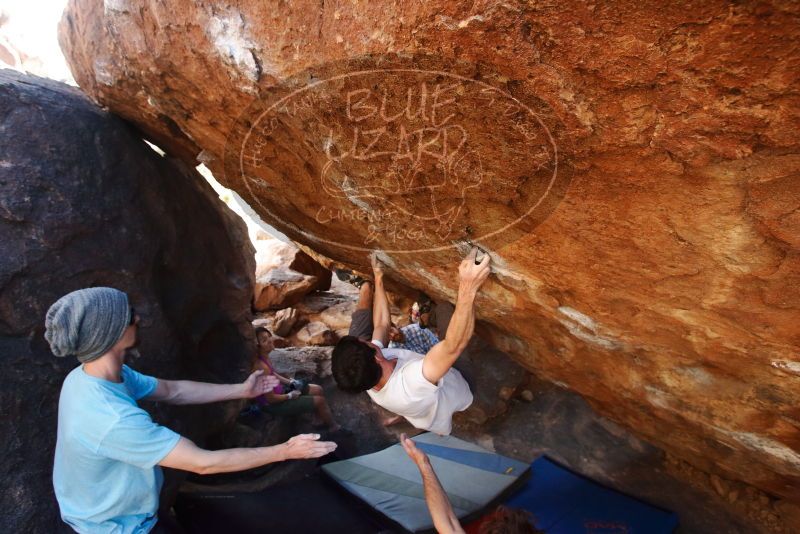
(381, 317)
(444, 519)
(443, 355)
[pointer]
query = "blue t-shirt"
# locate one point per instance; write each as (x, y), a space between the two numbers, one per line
(105, 474)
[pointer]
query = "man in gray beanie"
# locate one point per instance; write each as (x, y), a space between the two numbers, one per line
(106, 472)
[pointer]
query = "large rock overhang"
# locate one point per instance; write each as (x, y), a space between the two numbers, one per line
(660, 277)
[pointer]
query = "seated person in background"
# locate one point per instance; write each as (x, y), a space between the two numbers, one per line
(500, 521)
(423, 388)
(290, 397)
(106, 472)
(413, 338)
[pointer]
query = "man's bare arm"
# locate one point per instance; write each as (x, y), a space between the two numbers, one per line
(189, 392)
(444, 519)
(189, 457)
(381, 316)
(444, 354)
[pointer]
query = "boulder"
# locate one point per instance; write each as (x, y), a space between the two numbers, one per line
(85, 202)
(339, 316)
(283, 321)
(280, 288)
(313, 361)
(280, 323)
(317, 303)
(632, 170)
(315, 333)
(285, 274)
(303, 263)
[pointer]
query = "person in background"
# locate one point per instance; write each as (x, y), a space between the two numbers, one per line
(500, 521)
(106, 473)
(290, 397)
(413, 338)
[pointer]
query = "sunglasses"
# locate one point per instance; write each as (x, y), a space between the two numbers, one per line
(133, 316)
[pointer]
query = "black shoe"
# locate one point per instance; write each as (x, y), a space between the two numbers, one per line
(350, 277)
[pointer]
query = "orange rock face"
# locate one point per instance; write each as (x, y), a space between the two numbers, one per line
(284, 274)
(632, 168)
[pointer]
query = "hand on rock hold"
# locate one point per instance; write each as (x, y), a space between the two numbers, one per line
(470, 274)
(257, 384)
(307, 446)
(377, 266)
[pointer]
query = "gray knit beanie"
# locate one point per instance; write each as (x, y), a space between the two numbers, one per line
(87, 323)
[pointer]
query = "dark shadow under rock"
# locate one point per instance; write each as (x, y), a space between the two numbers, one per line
(493, 377)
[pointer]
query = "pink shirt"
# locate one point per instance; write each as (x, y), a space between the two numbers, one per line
(278, 390)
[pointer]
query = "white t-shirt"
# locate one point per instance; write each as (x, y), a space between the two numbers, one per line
(425, 405)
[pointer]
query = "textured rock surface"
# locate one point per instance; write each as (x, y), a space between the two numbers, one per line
(314, 361)
(338, 317)
(283, 321)
(86, 202)
(664, 285)
(315, 333)
(281, 287)
(285, 274)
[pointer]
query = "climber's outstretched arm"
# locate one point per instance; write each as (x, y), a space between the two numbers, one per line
(444, 354)
(381, 316)
(444, 518)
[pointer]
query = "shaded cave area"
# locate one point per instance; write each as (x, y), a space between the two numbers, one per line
(515, 414)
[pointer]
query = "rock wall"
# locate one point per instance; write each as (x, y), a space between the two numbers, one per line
(631, 166)
(284, 274)
(86, 202)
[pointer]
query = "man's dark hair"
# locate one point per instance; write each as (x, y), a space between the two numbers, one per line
(262, 329)
(354, 366)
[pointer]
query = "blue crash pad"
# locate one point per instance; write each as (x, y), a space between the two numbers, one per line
(567, 503)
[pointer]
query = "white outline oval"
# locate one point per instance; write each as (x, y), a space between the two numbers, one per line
(375, 71)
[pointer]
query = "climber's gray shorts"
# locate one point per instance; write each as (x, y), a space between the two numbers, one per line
(361, 324)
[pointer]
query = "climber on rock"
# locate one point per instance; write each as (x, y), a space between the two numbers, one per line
(425, 389)
(106, 473)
